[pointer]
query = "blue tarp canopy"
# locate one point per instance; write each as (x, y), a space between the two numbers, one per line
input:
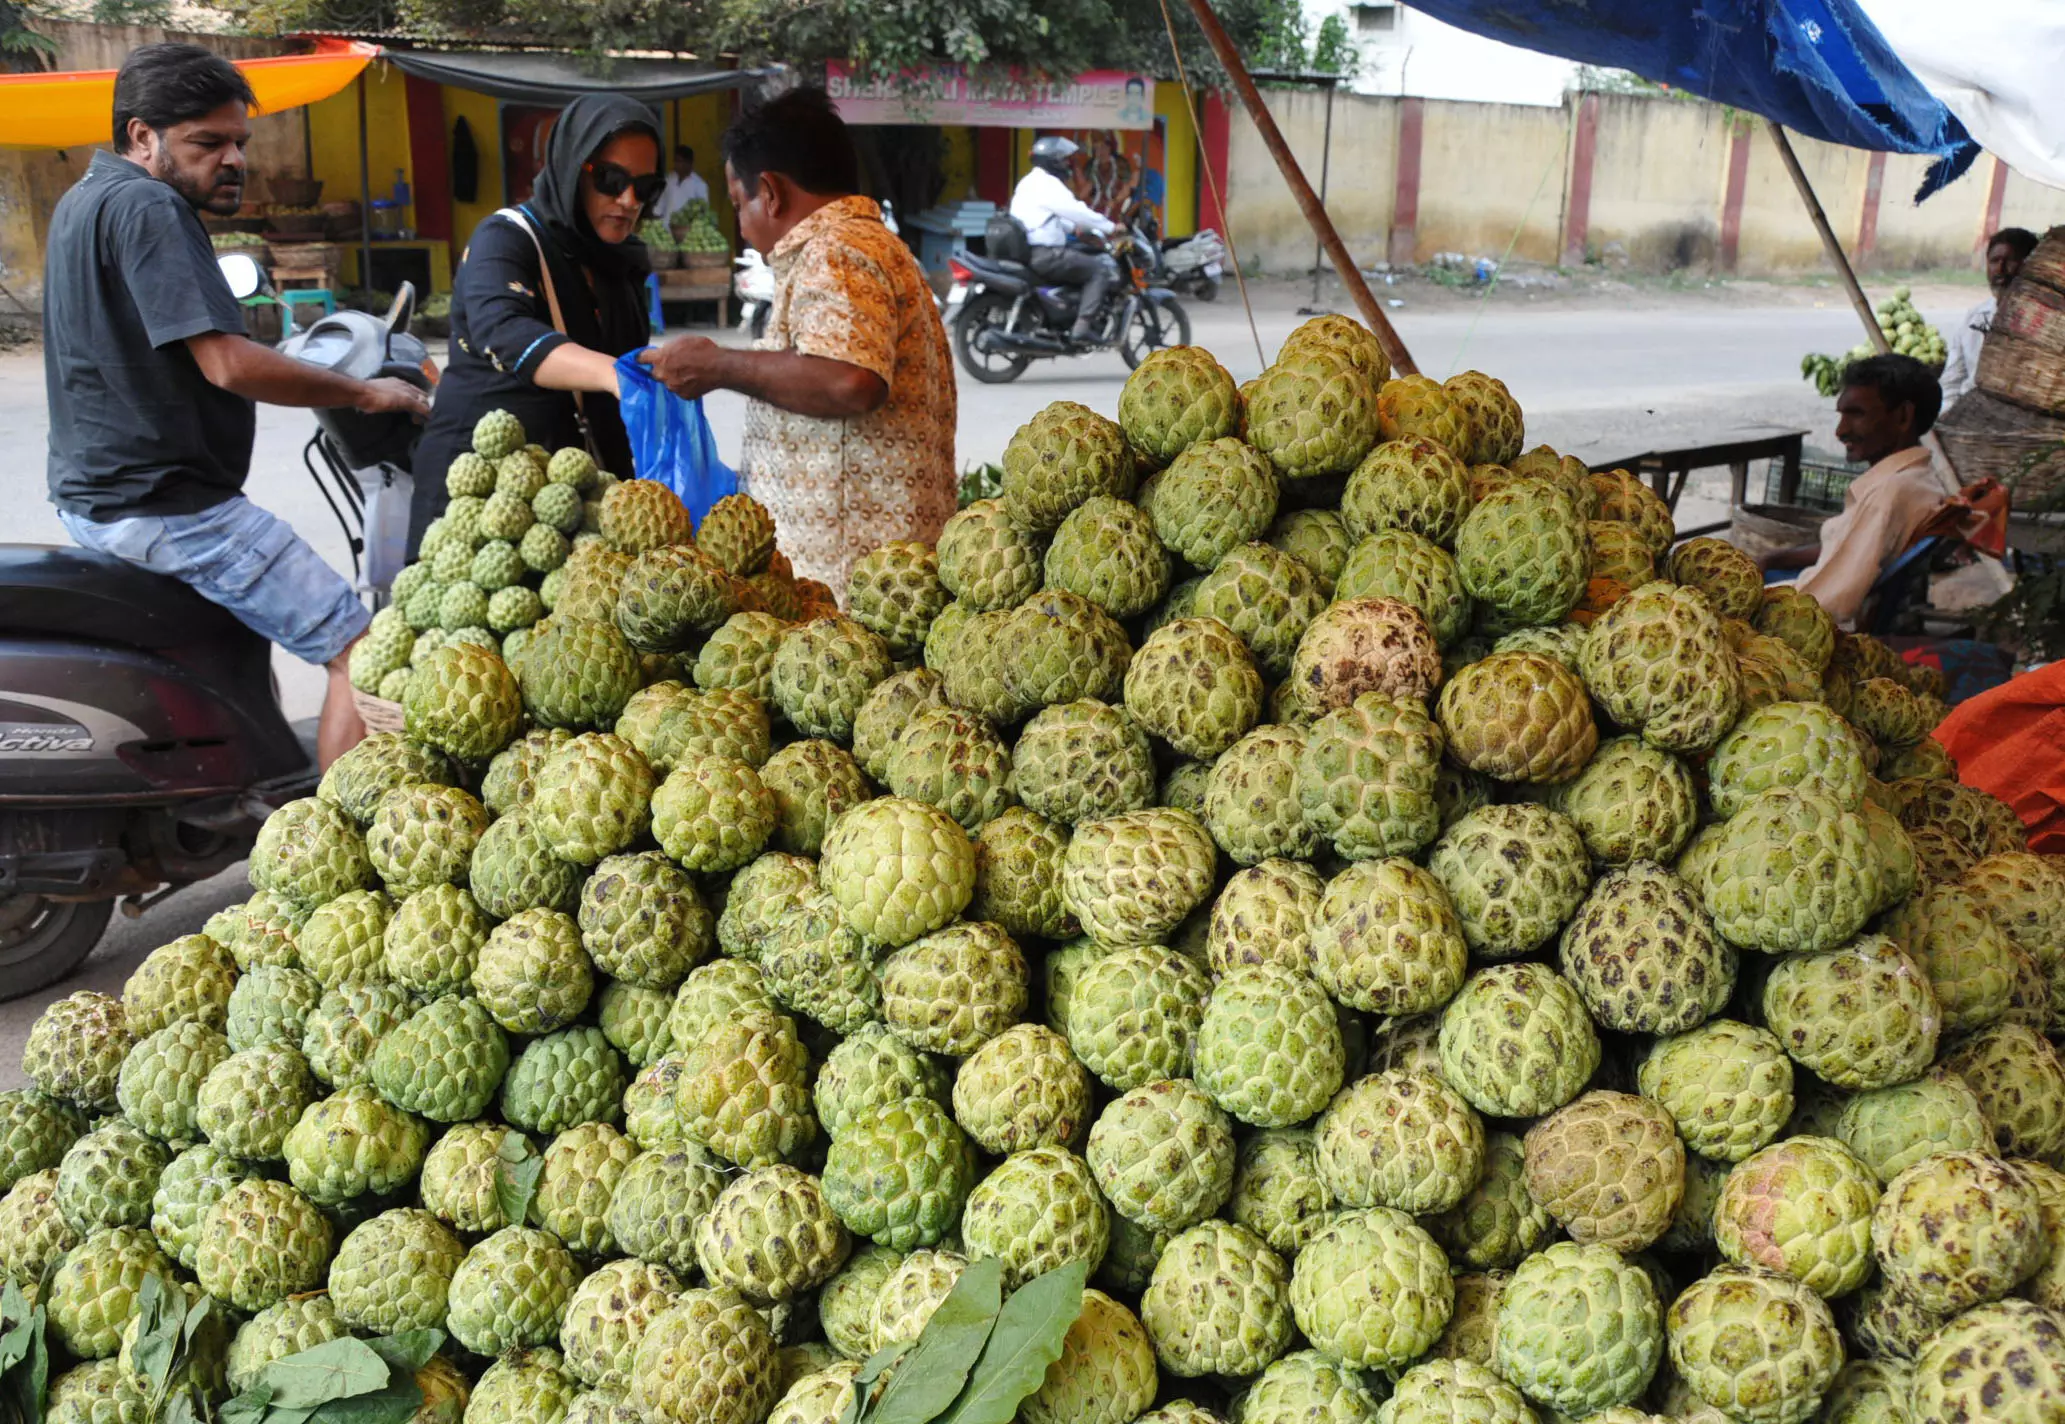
(1819, 67)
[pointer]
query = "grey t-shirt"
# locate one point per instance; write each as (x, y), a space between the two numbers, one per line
(135, 428)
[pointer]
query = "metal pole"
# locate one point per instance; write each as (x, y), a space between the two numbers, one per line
(1326, 164)
(365, 196)
(1308, 202)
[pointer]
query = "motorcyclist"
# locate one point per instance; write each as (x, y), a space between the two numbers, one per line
(1052, 213)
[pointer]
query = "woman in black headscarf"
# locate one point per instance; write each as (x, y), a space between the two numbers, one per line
(600, 175)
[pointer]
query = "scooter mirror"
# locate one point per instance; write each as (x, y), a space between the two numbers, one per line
(403, 309)
(241, 271)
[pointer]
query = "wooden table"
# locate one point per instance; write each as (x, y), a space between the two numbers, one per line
(699, 284)
(1669, 469)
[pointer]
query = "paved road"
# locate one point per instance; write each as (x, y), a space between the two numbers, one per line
(1598, 376)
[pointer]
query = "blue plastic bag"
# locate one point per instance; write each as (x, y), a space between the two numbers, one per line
(671, 441)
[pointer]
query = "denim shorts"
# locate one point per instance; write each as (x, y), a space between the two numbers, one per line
(249, 561)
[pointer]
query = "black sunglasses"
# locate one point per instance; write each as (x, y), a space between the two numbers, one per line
(611, 179)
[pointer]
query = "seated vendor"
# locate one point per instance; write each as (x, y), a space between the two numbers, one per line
(1886, 406)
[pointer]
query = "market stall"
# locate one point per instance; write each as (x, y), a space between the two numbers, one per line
(1363, 924)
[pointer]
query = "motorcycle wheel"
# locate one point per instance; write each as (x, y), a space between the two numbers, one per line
(1151, 325)
(42, 941)
(985, 312)
(1205, 290)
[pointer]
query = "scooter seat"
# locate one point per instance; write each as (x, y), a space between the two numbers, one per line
(97, 598)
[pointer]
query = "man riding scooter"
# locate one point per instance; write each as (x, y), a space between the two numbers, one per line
(153, 385)
(1052, 214)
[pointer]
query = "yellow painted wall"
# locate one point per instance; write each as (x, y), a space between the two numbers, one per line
(1657, 171)
(700, 123)
(333, 134)
(2027, 203)
(483, 115)
(957, 164)
(1268, 229)
(1491, 175)
(1777, 234)
(1659, 185)
(1179, 159)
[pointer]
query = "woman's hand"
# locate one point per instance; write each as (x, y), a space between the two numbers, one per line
(689, 366)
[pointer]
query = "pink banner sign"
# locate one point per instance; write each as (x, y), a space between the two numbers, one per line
(952, 94)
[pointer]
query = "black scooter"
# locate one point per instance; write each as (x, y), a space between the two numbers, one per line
(141, 738)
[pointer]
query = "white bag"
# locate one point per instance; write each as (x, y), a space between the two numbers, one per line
(1982, 582)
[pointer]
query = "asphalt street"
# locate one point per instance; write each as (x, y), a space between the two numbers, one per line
(1599, 375)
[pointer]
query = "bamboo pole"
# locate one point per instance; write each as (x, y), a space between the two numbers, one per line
(1308, 201)
(1829, 242)
(1841, 261)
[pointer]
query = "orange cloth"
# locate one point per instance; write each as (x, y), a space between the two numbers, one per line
(71, 110)
(2010, 743)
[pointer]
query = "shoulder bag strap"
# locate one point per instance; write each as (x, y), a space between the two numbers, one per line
(523, 220)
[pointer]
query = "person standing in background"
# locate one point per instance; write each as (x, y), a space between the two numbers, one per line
(850, 416)
(684, 185)
(2006, 251)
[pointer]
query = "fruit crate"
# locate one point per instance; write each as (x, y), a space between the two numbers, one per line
(1823, 482)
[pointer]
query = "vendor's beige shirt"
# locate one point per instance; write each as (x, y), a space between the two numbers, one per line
(1882, 509)
(848, 289)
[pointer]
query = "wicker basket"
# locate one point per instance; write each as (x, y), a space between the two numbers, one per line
(664, 259)
(706, 259)
(377, 713)
(2046, 265)
(2025, 450)
(304, 256)
(2023, 359)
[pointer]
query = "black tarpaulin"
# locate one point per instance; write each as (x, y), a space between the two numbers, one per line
(555, 79)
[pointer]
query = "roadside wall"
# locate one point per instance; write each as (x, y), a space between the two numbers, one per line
(1651, 183)
(32, 180)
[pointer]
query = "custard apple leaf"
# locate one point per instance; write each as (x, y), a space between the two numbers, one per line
(1028, 1337)
(931, 1376)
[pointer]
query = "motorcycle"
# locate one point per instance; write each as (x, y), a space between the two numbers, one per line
(1195, 265)
(1007, 319)
(141, 738)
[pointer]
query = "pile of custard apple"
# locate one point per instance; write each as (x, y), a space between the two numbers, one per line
(1437, 946)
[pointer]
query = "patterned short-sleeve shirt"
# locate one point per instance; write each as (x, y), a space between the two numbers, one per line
(848, 289)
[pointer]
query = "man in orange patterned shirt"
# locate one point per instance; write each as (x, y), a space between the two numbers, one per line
(850, 422)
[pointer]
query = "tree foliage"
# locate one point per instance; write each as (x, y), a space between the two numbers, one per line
(1052, 37)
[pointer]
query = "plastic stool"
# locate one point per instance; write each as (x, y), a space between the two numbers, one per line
(310, 296)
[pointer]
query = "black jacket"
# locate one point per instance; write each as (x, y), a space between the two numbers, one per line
(501, 329)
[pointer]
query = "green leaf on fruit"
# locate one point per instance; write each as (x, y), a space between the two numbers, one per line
(24, 1359)
(1027, 1339)
(872, 1369)
(333, 1370)
(517, 1169)
(932, 1375)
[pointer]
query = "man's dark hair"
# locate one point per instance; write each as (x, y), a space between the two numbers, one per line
(1134, 81)
(682, 150)
(2021, 239)
(1899, 380)
(798, 135)
(167, 84)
